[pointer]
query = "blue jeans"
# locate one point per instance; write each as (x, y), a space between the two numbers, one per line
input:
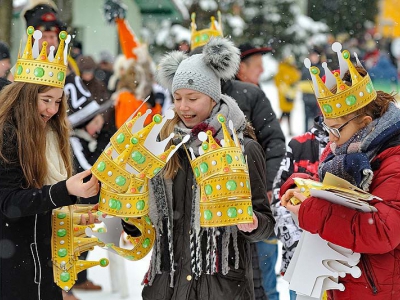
(292, 294)
(268, 256)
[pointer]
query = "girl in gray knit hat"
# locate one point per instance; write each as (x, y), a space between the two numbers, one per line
(190, 261)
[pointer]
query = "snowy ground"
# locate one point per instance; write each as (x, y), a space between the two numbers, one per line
(136, 270)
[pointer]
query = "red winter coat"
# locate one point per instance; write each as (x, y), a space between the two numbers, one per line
(375, 235)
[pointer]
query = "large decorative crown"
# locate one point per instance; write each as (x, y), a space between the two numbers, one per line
(222, 175)
(37, 67)
(201, 37)
(68, 242)
(133, 157)
(347, 99)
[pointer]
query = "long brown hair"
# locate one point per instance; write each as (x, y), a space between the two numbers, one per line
(19, 109)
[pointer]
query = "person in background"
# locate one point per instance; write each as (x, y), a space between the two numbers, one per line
(35, 178)
(175, 269)
(285, 80)
(104, 69)
(302, 156)
(5, 62)
(364, 149)
(250, 70)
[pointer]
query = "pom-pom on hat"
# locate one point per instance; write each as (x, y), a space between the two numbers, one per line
(203, 72)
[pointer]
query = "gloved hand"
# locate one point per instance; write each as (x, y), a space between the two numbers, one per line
(357, 165)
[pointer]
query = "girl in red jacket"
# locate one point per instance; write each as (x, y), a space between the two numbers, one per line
(364, 149)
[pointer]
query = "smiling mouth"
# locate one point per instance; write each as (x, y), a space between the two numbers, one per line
(188, 116)
(45, 118)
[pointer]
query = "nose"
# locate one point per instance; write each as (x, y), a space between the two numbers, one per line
(183, 105)
(52, 108)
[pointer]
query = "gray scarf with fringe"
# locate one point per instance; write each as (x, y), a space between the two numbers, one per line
(161, 210)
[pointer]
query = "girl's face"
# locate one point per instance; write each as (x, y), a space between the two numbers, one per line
(49, 103)
(342, 129)
(192, 107)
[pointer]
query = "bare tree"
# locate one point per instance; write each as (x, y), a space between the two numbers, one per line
(6, 13)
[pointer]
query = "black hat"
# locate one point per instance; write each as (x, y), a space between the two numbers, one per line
(44, 18)
(82, 107)
(4, 82)
(4, 51)
(247, 50)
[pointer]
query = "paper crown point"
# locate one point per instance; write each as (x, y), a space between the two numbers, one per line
(222, 175)
(346, 99)
(201, 37)
(37, 67)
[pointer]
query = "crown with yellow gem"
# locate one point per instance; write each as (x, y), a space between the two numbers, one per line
(201, 37)
(222, 175)
(68, 242)
(37, 67)
(347, 99)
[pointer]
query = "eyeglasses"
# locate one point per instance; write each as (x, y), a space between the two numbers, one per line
(336, 131)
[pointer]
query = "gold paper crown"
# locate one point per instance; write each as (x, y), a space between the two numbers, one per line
(347, 99)
(201, 37)
(124, 168)
(223, 177)
(35, 67)
(68, 242)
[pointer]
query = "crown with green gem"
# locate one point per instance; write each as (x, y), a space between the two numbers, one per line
(201, 37)
(347, 99)
(39, 67)
(68, 241)
(222, 175)
(133, 156)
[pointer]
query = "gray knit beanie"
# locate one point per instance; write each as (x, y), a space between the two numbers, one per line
(201, 72)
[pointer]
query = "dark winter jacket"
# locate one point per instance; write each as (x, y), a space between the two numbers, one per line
(257, 108)
(25, 232)
(238, 283)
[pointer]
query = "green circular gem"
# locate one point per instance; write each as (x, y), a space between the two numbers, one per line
(229, 159)
(120, 180)
(208, 189)
(232, 212)
(61, 232)
(207, 214)
(62, 252)
(120, 138)
(156, 170)
(134, 140)
(140, 205)
(314, 71)
(157, 119)
(19, 70)
(196, 172)
(204, 146)
(346, 54)
(142, 160)
(369, 87)
(60, 76)
(351, 100)
(147, 219)
(231, 185)
(64, 276)
(205, 37)
(112, 203)
(327, 108)
(136, 156)
(197, 39)
(250, 210)
(63, 35)
(146, 243)
(242, 158)
(221, 119)
(248, 184)
(30, 30)
(103, 262)
(203, 167)
(61, 215)
(101, 166)
(101, 230)
(118, 205)
(38, 72)
(130, 257)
